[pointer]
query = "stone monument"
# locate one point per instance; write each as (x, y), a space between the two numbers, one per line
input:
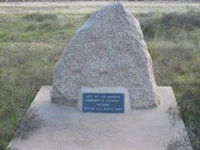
(107, 51)
(105, 68)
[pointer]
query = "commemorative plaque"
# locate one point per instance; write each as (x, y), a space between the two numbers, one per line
(104, 100)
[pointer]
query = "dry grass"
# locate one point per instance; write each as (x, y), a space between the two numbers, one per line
(31, 43)
(31, 122)
(180, 142)
(90, 6)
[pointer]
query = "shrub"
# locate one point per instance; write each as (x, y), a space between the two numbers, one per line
(39, 17)
(188, 20)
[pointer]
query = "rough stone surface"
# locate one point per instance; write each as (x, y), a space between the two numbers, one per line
(108, 50)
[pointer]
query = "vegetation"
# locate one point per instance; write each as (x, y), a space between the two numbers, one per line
(30, 45)
(174, 44)
(180, 142)
(28, 124)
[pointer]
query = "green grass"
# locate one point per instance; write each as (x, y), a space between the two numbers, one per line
(174, 43)
(31, 43)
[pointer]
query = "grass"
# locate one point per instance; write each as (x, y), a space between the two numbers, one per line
(31, 43)
(28, 124)
(180, 142)
(174, 44)
(29, 49)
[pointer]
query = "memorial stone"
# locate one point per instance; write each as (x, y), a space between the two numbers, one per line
(107, 51)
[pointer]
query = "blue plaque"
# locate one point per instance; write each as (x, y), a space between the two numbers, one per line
(103, 102)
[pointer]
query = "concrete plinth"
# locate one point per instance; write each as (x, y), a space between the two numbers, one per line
(66, 128)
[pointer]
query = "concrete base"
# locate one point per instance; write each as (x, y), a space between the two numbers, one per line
(66, 128)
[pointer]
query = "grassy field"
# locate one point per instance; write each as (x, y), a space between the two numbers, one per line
(32, 38)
